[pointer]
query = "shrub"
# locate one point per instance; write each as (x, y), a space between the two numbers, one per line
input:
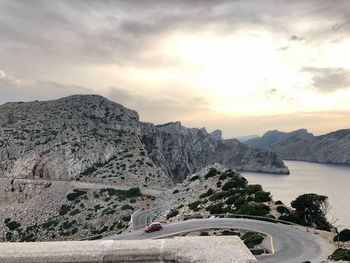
(194, 206)
(262, 196)
(64, 210)
(208, 193)
(279, 202)
(193, 178)
(76, 194)
(235, 182)
(175, 191)
(282, 210)
(228, 185)
(172, 214)
(255, 209)
(212, 172)
(217, 196)
(13, 225)
(341, 254)
(344, 236)
(253, 188)
(74, 212)
(127, 207)
(223, 176)
(215, 209)
(230, 233)
(204, 233)
(252, 239)
(218, 184)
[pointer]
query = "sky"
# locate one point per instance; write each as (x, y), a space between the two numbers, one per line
(242, 66)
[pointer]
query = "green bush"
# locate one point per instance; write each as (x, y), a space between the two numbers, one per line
(223, 176)
(76, 194)
(230, 233)
(215, 209)
(344, 236)
(193, 178)
(127, 207)
(217, 196)
(172, 214)
(212, 172)
(282, 209)
(74, 212)
(208, 193)
(255, 209)
(64, 209)
(253, 188)
(194, 206)
(13, 225)
(262, 196)
(252, 239)
(341, 254)
(279, 202)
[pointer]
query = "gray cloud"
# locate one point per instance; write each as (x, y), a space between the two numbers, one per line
(296, 38)
(160, 109)
(117, 32)
(12, 89)
(329, 79)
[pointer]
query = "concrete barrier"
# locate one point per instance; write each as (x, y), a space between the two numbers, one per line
(180, 249)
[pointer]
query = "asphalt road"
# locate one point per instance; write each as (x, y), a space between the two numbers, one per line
(290, 244)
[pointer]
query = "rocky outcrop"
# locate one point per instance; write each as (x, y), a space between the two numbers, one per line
(85, 138)
(301, 145)
(182, 151)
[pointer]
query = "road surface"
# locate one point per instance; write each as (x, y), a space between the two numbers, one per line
(289, 244)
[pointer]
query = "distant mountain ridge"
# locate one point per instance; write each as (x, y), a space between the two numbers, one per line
(333, 147)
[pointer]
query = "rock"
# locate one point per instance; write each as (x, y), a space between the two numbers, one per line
(301, 145)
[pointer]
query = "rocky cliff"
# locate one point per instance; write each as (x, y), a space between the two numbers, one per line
(182, 151)
(301, 145)
(85, 138)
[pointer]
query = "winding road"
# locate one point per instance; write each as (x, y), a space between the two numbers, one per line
(289, 244)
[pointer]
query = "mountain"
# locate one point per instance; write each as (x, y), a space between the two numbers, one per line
(182, 151)
(301, 145)
(80, 166)
(246, 138)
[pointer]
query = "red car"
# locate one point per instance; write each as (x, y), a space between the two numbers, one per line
(155, 226)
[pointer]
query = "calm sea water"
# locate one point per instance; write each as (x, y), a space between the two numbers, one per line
(305, 177)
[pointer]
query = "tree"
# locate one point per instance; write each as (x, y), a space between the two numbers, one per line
(312, 209)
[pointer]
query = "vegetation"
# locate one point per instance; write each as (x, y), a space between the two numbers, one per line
(12, 225)
(212, 172)
(76, 194)
(207, 194)
(194, 206)
(311, 209)
(193, 178)
(262, 196)
(343, 236)
(282, 209)
(341, 254)
(253, 188)
(172, 214)
(252, 239)
(127, 207)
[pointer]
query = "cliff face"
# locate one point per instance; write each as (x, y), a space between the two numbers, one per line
(300, 145)
(79, 137)
(182, 151)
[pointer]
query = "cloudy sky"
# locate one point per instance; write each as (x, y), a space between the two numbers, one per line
(244, 66)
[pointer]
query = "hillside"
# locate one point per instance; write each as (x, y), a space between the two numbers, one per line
(301, 145)
(81, 165)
